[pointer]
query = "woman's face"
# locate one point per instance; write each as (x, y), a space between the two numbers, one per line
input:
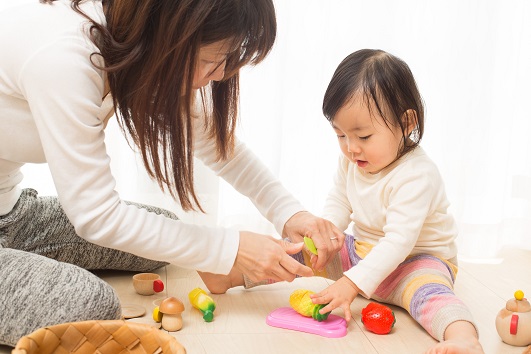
(211, 63)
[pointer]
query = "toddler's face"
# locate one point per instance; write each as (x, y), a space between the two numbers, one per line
(364, 139)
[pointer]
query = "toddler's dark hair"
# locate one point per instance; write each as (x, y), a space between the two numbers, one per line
(386, 81)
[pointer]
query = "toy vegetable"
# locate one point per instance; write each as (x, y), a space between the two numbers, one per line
(169, 314)
(513, 323)
(378, 318)
(311, 246)
(300, 301)
(204, 303)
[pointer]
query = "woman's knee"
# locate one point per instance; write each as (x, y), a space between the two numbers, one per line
(87, 297)
(36, 292)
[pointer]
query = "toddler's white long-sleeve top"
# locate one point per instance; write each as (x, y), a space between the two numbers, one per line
(51, 110)
(401, 211)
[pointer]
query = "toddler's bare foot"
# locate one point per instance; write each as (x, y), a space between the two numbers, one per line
(219, 283)
(457, 346)
(461, 338)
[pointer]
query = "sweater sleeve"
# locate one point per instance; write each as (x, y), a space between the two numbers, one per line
(249, 176)
(64, 93)
(406, 200)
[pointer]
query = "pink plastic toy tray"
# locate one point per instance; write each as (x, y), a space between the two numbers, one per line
(285, 317)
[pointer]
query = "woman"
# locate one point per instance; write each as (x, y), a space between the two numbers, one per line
(169, 70)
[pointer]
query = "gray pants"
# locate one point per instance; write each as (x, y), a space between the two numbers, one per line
(44, 277)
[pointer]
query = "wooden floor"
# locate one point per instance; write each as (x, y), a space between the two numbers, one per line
(239, 325)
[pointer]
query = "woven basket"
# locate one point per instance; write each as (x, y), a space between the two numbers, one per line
(105, 337)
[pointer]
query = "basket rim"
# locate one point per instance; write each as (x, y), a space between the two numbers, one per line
(96, 334)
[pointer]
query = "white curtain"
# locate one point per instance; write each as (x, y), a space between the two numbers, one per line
(472, 62)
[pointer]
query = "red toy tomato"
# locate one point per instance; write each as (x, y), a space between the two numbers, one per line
(378, 318)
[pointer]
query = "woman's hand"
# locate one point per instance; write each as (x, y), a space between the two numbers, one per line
(327, 238)
(340, 294)
(262, 257)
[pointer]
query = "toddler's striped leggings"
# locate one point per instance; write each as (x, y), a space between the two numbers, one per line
(422, 285)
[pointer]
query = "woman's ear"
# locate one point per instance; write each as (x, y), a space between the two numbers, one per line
(409, 120)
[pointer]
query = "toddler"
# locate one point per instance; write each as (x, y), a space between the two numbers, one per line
(403, 250)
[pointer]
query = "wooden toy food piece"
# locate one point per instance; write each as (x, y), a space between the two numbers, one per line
(204, 303)
(513, 323)
(169, 313)
(147, 283)
(157, 315)
(300, 301)
(132, 311)
(378, 318)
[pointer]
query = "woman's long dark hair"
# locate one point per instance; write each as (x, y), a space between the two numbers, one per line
(150, 49)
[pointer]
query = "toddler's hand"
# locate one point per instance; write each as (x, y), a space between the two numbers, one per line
(340, 294)
(327, 238)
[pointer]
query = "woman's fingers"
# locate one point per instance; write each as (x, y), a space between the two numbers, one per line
(263, 257)
(293, 267)
(328, 240)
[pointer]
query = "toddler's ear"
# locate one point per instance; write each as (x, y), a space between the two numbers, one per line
(409, 118)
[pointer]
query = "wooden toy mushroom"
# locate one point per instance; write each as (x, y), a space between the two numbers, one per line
(513, 323)
(170, 310)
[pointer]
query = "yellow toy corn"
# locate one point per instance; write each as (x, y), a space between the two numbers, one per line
(300, 301)
(204, 303)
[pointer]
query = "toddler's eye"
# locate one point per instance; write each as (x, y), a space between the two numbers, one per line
(365, 137)
(340, 136)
